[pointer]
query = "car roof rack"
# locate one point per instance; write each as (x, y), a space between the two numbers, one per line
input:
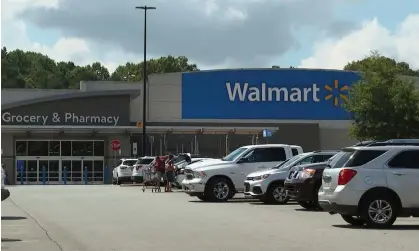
(385, 143)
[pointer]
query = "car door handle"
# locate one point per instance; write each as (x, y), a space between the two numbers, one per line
(398, 174)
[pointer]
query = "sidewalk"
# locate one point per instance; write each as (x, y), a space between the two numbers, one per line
(21, 233)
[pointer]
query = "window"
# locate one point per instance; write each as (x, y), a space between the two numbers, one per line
(277, 154)
(82, 148)
(145, 161)
(99, 148)
(307, 160)
(362, 157)
(235, 154)
(267, 155)
(340, 159)
(326, 157)
(65, 148)
(21, 148)
(38, 148)
(406, 159)
(54, 148)
(294, 151)
(129, 162)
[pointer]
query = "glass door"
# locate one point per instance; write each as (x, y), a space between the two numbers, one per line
(27, 170)
(32, 172)
(54, 172)
(36, 170)
(76, 172)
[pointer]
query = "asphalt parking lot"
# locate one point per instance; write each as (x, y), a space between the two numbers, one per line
(100, 218)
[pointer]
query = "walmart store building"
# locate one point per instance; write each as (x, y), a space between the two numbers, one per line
(207, 113)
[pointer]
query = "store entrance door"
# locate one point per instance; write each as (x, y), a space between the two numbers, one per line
(82, 169)
(36, 170)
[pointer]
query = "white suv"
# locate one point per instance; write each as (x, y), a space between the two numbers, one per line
(123, 172)
(372, 185)
(219, 179)
(139, 167)
(268, 185)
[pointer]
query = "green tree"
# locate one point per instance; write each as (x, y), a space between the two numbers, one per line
(375, 61)
(383, 104)
(134, 72)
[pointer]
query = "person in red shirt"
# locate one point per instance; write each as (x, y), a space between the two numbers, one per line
(159, 166)
(170, 173)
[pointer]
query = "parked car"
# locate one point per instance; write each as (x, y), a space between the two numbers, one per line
(303, 184)
(5, 193)
(142, 163)
(219, 180)
(180, 170)
(123, 172)
(372, 185)
(268, 185)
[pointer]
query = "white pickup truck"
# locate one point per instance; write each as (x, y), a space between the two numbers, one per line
(219, 180)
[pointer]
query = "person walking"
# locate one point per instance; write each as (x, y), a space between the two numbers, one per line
(170, 173)
(159, 166)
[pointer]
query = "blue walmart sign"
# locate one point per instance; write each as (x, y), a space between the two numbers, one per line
(266, 94)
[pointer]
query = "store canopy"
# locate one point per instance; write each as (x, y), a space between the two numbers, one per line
(135, 130)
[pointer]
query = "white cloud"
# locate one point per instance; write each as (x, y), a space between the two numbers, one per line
(14, 36)
(402, 44)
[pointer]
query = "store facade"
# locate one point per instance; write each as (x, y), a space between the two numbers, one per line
(209, 113)
(65, 138)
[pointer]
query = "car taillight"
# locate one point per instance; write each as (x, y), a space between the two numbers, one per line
(346, 175)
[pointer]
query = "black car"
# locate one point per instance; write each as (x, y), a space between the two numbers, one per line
(303, 184)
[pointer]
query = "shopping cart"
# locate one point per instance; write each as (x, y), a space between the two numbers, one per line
(151, 179)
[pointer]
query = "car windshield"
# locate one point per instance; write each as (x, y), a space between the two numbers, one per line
(144, 161)
(129, 162)
(235, 154)
(290, 162)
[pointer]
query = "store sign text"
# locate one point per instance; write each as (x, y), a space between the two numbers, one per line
(68, 118)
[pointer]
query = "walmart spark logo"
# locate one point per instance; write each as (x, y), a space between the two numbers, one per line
(336, 93)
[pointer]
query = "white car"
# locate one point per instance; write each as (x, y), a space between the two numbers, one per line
(180, 173)
(5, 193)
(123, 172)
(137, 175)
(268, 185)
(372, 185)
(220, 179)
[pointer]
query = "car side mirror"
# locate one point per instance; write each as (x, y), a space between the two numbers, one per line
(243, 160)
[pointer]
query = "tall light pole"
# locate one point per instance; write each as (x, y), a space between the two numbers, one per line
(144, 143)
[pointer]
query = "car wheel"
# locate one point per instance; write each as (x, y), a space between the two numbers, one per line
(379, 211)
(118, 181)
(202, 197)
(113, 181)
(276, 194)
(218, 190)
(353, 220)
(309, 205)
